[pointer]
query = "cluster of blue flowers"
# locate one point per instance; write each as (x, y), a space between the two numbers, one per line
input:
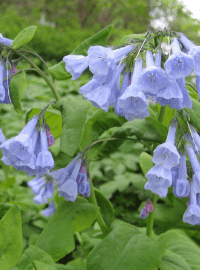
(130, 98)
(171, 170)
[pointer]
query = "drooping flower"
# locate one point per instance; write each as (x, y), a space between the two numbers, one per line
(144, 213)
(192, 214)
(5, 41)
(2, 137)
(166, 154)
(181, 185)
(157, 189)
(179, 65)
(6, 83)
(152, 79)
(2, 89)
(76, 64)
(159, 176)
(186, 102)
(49, 210)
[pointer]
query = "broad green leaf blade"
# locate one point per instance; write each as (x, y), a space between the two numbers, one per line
(145, 162)
(126, 38)
(168, 116)
(99, 123)
(43, 266)
(54, 120)
(74, 117)
(17, 87)
(59, 72)
(106, 207)
(57, 237)
(124, 248)
(100, 38)
(173, 261)
(24, 37)
(194, 114)
(31, 254)
(77, 264)
(183, 246)
(11, 241)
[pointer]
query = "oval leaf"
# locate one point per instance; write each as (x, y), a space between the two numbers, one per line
(17, 87)
(11, 241)
(24, 37)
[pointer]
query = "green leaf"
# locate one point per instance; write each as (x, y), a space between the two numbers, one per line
(31, 254)
(11, 241)
(168, 116)
(43, 266)
(194, 114)
(57, 237)
(59, 72)
(145, 162)
(74, 117)
(77, 264)
(17, 87)
(106, 207)
(126, 38)
(97, 124)
(173, 261)
(24, 37)
(182, 246)
(124, 248)
(100, 38)
(53, 119)
(191, 89)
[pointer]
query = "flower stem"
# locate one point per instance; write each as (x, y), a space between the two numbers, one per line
(100, 219)
(151, 216)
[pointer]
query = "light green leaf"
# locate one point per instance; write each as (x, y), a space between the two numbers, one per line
(194, 114)
(54, 120)
(17, 87)
(173, 261)
(31, 254)
(145, 162)
(24, 37)
(74, 117)
(11, 241)
(57, 237)
(125, 248)
(126, 38)
(43, 266)
(59, 72)
(77, 264)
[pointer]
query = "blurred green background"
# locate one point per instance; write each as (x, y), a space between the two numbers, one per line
(62, 25)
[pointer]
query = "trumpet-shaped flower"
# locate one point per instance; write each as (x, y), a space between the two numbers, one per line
(179, 65)
(76, 64)
(170, 95)
(2, 89)
(182, 185)
(192, 214)
(157, 189)
(152, 79)
(5, 41)
(159, 176)
(186, 103)
(49, 210)
(166, 154)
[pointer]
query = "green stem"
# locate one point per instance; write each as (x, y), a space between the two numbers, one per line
(100, 219)
(151, 216)
(53, 89)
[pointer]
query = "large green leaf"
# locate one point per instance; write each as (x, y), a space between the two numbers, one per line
(106, 207)
(24, 37)
(11, 241)
(74, 117)
(126, 38)
(59, 72)
(57, 237)
(17, 87)
(31, 254)
(125, 248)
(182, 246)
(77, 264)
(43, 266)
(54, 120)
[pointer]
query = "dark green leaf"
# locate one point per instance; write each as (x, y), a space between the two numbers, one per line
(24, 37)
(53, 119)
(31, 254)
(126, 38)
(145, 162)
(74, 116)
(124, 248)
(57, 237)
(77, 264)
(17, 87)
(11, 241)
(106, 207)
(194, 114)
(59, 72)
